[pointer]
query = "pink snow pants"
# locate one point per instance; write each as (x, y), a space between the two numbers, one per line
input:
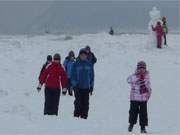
(159, 41)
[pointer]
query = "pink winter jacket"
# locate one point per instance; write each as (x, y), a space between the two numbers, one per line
(159, 30)
(135, 88)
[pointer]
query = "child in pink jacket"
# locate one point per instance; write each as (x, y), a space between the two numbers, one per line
(159, 34)
(140, 94)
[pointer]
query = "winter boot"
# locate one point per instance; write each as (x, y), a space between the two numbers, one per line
(143, 130)
(70, 92)
(76, 115)
(83, 117)
(130, 128)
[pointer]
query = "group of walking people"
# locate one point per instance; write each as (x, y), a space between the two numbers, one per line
(75, 77)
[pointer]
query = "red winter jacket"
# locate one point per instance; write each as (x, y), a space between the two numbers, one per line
(159, 30)
(54, 76)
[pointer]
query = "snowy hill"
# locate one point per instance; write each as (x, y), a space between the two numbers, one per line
(21, 106)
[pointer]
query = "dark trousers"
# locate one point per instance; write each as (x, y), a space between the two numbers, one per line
(81, 103)
(140, 108)
(165, 42)
(51, 104)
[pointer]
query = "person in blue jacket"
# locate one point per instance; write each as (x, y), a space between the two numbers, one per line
(91, 57)
(68, 64)
(82, 81)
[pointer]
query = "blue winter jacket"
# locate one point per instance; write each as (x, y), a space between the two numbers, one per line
(68, 64)
(82, 75)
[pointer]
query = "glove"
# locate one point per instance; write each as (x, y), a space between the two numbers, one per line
(64, 91)
(39, 87)
(91, 88)
(91, 91)
(70, 93)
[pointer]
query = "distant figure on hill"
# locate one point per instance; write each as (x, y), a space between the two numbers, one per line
(111, 32)
(165, 29)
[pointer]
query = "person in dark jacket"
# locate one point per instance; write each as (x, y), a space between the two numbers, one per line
(54, 77)
(49, 60)
(90, 55)
(111, 32)
(82, 81)
(165, 29)
(68, 64)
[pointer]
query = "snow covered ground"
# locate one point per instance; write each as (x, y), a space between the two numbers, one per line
(21, 106)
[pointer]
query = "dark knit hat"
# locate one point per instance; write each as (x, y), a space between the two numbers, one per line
(88, 48)
(141, 64)
(71, 54)
(158, 23)
(164, 19)
(83, 51)
(49, 58)
(57, 56)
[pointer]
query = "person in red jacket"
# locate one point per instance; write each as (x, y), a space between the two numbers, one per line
(159, 33)
(54, 77)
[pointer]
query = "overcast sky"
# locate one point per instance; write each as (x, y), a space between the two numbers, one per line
(24, 17)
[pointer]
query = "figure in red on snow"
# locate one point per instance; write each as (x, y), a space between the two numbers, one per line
(159, 34)
(55, 80)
